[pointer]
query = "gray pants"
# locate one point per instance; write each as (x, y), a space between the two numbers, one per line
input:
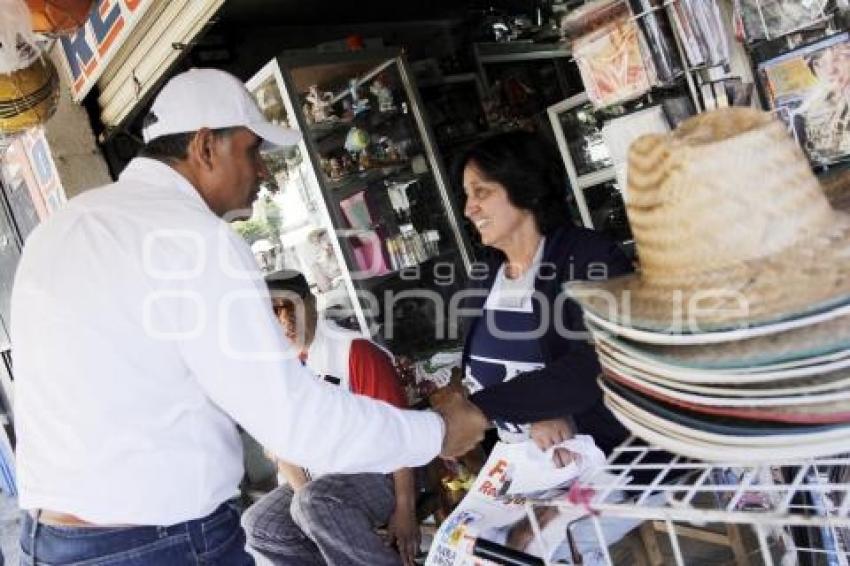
(331, 520)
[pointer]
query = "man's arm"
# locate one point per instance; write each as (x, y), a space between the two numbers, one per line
(233, 347)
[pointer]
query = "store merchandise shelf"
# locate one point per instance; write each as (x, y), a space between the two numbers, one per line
(372, 282)
(366, 177)
(374, 119)
(358, 181)
(321, 130)
(800, 493)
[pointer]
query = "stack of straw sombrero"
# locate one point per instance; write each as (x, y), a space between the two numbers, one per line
(732, 342)
(28, 96)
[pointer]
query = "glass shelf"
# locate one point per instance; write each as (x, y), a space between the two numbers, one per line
(591, 172)
(303, 239)
(349, 105)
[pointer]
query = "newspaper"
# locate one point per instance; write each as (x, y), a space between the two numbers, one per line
(494, 509)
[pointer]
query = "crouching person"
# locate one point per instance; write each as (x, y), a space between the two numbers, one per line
(318, 518)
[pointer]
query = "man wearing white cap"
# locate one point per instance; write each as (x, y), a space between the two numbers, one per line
(142, 334)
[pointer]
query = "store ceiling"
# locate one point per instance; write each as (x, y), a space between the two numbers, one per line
(261, 13)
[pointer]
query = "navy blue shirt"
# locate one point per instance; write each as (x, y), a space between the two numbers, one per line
(565, 386)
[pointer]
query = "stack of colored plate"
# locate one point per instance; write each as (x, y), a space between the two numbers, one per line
(751, 394)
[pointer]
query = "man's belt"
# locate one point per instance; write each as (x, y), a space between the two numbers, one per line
(56, 519)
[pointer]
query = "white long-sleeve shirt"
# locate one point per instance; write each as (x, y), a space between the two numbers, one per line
(141, 330)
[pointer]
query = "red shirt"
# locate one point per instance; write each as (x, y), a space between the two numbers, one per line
(373, 374)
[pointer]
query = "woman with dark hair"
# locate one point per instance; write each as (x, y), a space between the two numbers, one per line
(527, 362)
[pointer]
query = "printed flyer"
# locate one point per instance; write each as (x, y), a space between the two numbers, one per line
(494, 509)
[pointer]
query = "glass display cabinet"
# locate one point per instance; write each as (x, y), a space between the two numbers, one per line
(591, 171)
(362, 205)
(454, 109)
(453, 104)
(10, 254)
(522, 79)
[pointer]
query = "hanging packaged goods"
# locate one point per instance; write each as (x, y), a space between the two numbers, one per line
(18, 43)
(700, 28)
(622, 53)
(658, 37)
(611, 64)
(768, 19)
(592, 16)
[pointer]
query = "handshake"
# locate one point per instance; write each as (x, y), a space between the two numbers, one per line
(464, 422)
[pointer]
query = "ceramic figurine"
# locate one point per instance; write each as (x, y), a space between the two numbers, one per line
(308, 113)
(386, 149)
(356, 140)
(358, 104)
(325, 165)
(335, 169)
(384, 95)
(392, 152)
(320, 104)
(364, 161)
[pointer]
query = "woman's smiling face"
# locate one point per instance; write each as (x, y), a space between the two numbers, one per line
(489, 208)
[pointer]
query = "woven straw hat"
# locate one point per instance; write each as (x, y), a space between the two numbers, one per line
(28, 96)
(732, 230)
(837, 189)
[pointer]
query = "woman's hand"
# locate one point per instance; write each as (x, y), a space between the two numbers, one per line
(521, 534)
(546, 434)
(295, 476)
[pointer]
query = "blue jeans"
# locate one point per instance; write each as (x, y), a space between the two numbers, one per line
(216, 540)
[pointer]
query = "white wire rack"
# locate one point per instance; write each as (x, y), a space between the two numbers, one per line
(798, 510)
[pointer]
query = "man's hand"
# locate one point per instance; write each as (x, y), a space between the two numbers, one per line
(549, 433)
(465, 424)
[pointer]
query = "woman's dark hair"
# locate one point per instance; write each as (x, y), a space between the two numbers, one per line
(530, 169)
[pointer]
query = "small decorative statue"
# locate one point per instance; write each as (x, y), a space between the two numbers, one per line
(325, 165)
(308, 113)
(385, 149)
(384, 95)
(364, 161)
(392, 151)
(319, 105)
(335, 169)
(356, 141)
(358, 104)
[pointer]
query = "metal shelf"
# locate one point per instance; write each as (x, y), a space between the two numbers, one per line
(717, 492)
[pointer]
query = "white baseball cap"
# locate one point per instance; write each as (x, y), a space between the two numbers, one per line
(210, 98)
